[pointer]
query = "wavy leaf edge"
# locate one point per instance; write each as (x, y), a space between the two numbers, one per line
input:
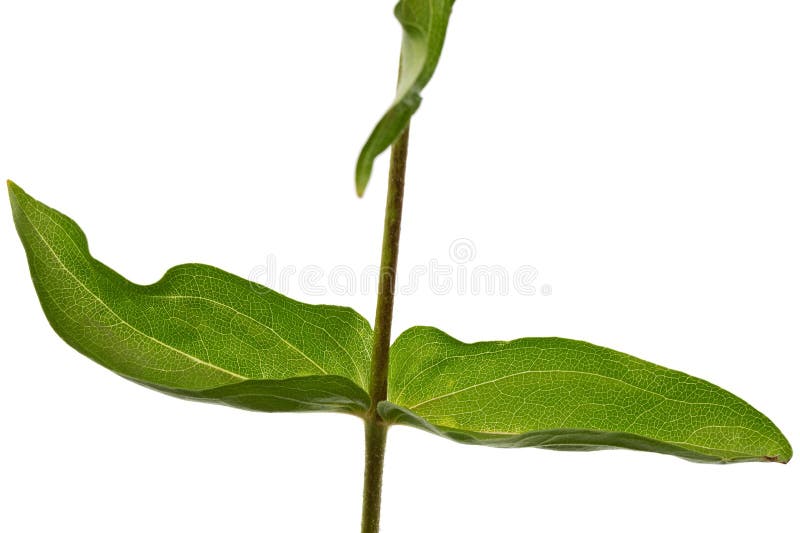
(308, 392)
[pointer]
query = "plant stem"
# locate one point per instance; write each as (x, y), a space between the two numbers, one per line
(374, 427)
(375, 437)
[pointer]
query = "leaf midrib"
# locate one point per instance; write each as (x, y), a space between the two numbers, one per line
(327, 333)
(579, 372)
(489, 382)
(226, 306)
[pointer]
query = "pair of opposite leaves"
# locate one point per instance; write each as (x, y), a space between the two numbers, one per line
(204, 334)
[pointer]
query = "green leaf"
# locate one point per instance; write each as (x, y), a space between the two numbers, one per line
(424, 26)
(568, 395)
(198, 333)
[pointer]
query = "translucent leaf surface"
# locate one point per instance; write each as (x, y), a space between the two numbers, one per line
(569, 395)
(199, 332)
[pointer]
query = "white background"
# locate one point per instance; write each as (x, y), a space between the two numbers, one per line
(643, 156)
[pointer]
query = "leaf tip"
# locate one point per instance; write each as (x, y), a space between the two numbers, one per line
(776, 459)
(784, 454)
(363, 172)
(15, 193)
(783, 457)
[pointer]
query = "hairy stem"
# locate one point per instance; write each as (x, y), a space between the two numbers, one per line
(375, 436)
(388, 271)
(375, 428)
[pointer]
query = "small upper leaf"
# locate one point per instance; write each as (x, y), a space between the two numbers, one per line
(199, 332)
(569, 395)
(424, 26)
